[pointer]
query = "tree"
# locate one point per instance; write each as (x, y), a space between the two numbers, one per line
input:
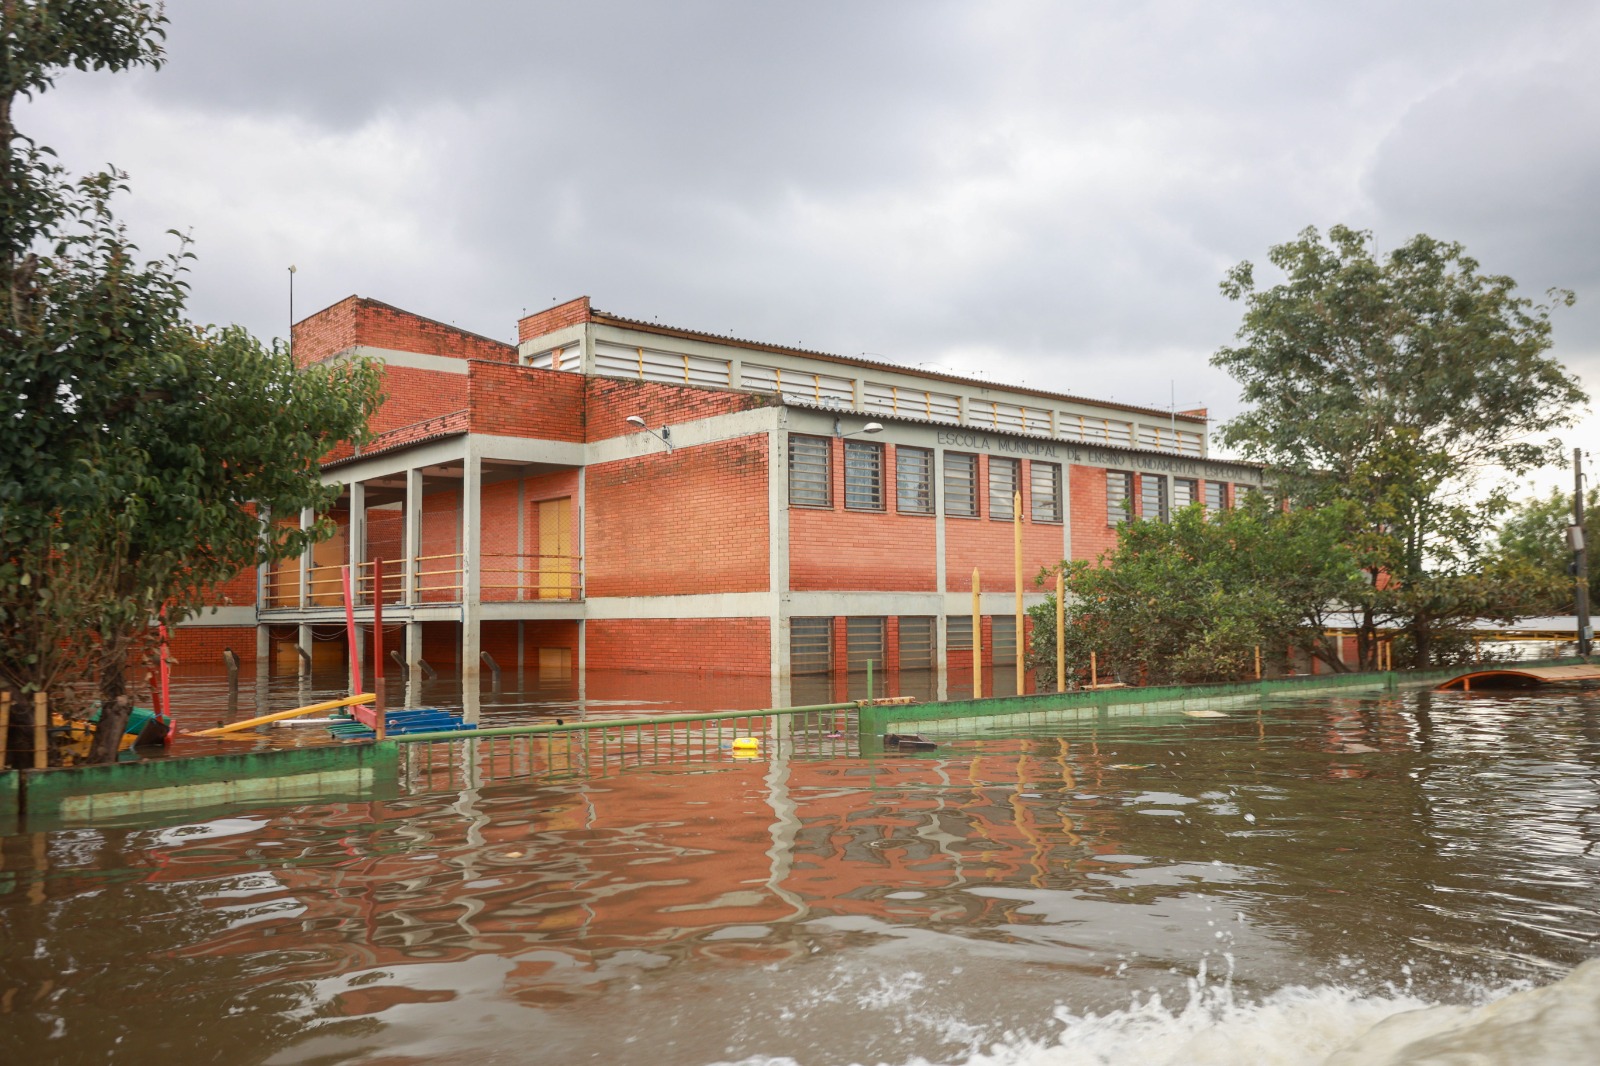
(1192, 600)
(1397, 384)
(1534, 532)
(140, 447)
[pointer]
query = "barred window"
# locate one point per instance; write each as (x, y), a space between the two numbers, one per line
(809, 471)
(961, 484)
(863, 476)
(810, 645)
(1216, 496)
(1003, 635)
(1044, 482)
(1119, 488)
(1184, 492)
(958, 632)
(917, 643)
(913, 477)
(1003, 483)
(864, 642)
(1153, 497)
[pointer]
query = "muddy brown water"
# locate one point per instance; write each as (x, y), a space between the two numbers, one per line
(1262, 887)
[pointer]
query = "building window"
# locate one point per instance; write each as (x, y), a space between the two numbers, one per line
(1119, 489)
(913, 478)
(1216, 496)
(1153, 498)
(1003, 632)
(863, 476)
(961, 484)
(958, 632)
(1184, 492)
(1044, 486)
(917, 643)
(864, 643)
(809, 471)
(1004, 482)
(810, 645)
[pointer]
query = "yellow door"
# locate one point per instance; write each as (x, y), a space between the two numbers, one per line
(556, 567)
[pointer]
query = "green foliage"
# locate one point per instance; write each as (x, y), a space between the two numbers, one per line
(1396, 385)
(1192, 600)
(1534, 532)
(139, 446)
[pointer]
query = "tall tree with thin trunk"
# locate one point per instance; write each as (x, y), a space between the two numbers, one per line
(1400, 383)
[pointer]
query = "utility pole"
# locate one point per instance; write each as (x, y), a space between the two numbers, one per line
(1580, 551)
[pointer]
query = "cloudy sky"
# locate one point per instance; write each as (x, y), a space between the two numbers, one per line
(1037, 192)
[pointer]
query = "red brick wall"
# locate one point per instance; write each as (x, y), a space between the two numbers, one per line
(609, 402)
(861, 550)
(711, 645)
(441, 536)
(521, 401)
(990, 545)
(385, 538)
(198, 648)
(671, 524)
(411, 396)
(558, 317)
(357, 320)
(1091, 536)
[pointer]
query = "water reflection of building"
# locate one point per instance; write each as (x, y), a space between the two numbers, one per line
(561, 878)
(610, 493)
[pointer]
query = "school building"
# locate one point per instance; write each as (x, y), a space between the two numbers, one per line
(612, 494)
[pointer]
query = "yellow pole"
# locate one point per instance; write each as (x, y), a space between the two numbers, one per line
(41, 739)
(1061, 636)
(1094, 671)
(1258, 662)
(977, 640)
(234, 727)
(1016, 526)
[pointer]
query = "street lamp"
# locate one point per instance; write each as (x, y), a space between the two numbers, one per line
(665, 436)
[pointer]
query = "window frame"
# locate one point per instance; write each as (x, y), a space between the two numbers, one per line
(1006, 512)
(926, 489)
(1194, 492)
(1221, 488)
(1054, 498)
(871, 489)
(1162, 494)
(972, 492)
(795, 500)
(1122, 511)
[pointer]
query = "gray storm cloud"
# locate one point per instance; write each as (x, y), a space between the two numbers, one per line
(1042, 192)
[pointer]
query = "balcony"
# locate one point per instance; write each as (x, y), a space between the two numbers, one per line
(432, 579)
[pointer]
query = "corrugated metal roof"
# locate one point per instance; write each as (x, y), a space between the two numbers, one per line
(609, 319)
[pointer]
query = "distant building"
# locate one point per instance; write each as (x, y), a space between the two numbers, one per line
(752, 525)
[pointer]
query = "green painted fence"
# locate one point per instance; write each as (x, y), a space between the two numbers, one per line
(599, 747)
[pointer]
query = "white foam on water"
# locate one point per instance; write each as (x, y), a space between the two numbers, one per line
(1553, 1025)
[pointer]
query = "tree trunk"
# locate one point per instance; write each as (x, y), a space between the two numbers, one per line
(1422, 644)
(115, 705)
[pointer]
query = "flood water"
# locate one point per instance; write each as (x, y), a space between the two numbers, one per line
(1261, 887)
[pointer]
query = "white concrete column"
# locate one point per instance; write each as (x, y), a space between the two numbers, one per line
(940, 664)
(413, 656)
(355, 552)
(778, 560)
(471, 577)
(308, 518)
(411, 536)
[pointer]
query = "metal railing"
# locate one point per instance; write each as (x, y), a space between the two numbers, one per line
(431, 762)
(504, 577)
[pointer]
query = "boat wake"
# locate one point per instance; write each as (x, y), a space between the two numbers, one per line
(1325, 1026)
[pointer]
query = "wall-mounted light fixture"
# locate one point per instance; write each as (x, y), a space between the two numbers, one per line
(870, 427)
(665, 436)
